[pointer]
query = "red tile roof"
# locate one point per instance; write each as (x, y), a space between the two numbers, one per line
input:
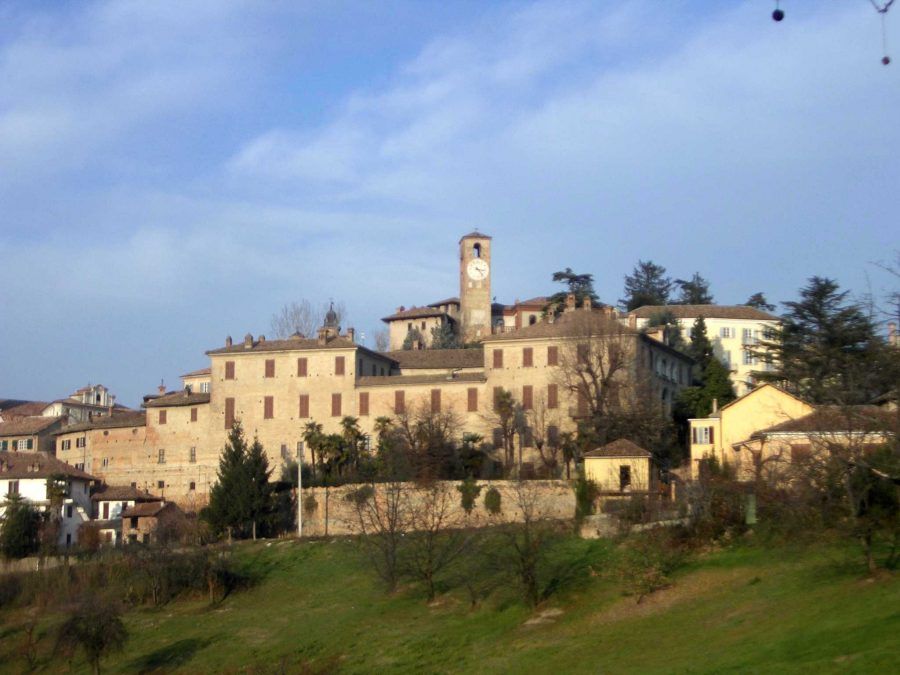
(118, 421)
(620, 448)
(706, 311)
(177, 398)
(24, 426)
(122, 493)
(411, 359)
(37, 465)
(197, 373)
(416, 313)
(839, 419)
(145, 509)
(10, 408)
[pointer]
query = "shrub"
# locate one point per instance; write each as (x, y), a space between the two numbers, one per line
(585, 498)
(95, 625)
(19, 529)
(469, 491)
(648, 561)
(310, 505)
(493, 501)
(361, 495)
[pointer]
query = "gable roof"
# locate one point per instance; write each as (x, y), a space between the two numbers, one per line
(475, 235)
(411, 359)
(433, 378)
(37, 465)
(293, 344)
(416, 313)
(573, 324)
(121, 493)
(22, 426)
(838, 419)
(173, 399)
(197, 373)
(118, 421)
(16, 408)
(755, 390)
(620, 448)
(706, 311)
(448, 301)
(145, 509)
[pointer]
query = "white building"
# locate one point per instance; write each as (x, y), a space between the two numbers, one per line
(31, 475)
(733, 331)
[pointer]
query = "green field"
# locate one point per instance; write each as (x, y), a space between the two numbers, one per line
(316, 608)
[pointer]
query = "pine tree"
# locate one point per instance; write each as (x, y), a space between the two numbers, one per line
(259, 490)
(445, 337)
(694, 291)
(700, 349)
(230, 498)
(579, 285)
(646, 285)
(758, 300)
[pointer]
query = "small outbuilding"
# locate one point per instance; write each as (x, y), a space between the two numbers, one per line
(620, 467)
(150, 522)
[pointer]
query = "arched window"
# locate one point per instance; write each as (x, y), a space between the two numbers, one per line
(476, 250)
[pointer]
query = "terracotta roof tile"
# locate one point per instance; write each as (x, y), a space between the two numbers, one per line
(448, 301)
(412, 359)
(177, 398)
(13, 408)
(37, 465)
(569, 324)
(118, 421)
(416, 313)
(475, 235)
(28, 425)
(145, 509)
(404, 380)
(620, 448)
(122, 493)
(293, 344)
(197, 373)
(831, 419)
(706, 311)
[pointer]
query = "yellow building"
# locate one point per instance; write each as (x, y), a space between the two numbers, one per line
(620, 467)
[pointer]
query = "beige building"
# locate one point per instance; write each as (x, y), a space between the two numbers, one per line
(620, 467)
(733, 330)
(29, 434)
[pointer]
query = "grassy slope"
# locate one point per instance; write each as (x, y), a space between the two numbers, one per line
(744, 610)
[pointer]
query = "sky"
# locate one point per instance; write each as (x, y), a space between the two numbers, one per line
(174, 172)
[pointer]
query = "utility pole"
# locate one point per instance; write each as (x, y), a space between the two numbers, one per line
(300, 493)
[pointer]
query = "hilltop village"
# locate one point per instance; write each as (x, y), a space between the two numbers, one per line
(545, 356)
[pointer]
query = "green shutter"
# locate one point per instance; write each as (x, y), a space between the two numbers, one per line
(30, 443)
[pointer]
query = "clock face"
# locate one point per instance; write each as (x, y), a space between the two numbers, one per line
(477, 269)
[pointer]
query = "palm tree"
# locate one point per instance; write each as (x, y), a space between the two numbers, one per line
(312, 435)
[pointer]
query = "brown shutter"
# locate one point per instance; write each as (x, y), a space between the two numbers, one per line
(338, 365)
(301, 367)
(552, 356)
(582, 403)
(497, 391)
(304, 406)
(528, 397)
(193, 414)
(435, 400)
(552, 396)
(363, 403)
(268, 407)
(498, 358)
(553, 435)
(399, 403)
(229, 370)
(270, 367)
(473, 399)
(335, 405)
(162, 416)
(229, 413)
(527, 357)
(712, 435)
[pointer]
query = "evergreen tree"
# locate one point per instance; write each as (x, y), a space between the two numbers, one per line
(414, 340)
(580, 285)
(19, 529)
(674, 335)
(827, 350)
(715, 384)
(646, 285)
(694, 291)
(230, 498)
(259, 490)
(758, 300)
(445, 336)
(700, 349)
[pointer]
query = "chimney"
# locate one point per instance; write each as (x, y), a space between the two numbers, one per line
(262, 338)
(161, 388)
(401, 308)
(586, 303)
(351, 334)
(322, 336)
(715, 405)
(228, 341)
(893, 337)
(632, 321)
(248, 341)
(570, 302)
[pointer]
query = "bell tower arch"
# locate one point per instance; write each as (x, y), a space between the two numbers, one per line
(475, 286)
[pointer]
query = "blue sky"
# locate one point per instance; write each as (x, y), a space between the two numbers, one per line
(174, 172)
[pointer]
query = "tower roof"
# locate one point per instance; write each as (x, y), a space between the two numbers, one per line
(475, 235)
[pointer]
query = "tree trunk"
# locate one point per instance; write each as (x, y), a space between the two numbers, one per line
(254, 530)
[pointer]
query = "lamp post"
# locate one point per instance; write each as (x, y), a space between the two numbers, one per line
(300, 493)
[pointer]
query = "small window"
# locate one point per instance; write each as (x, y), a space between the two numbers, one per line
(472, 399)
(583, 353)
(552, 396)
(624, 476)
(399, 402)
(423, 325)
(68, 510)
(553, 356)
(338, 365)
(193, 414)
(498, 358)
(301, 367)
(527, 357)
(161, 484)
(105, 462)
(193, 486)
(204, 387)
(134, 485)
(192, 455)
(13, 487)
(304, 406)
(269, 407)
(161, 456)
(498, 437)
(229, 413)
(527, 397)
(270, 367)
(553, 436)
(476, 251)
(134, 522)
(80, 442)
(335, 405)
(162, 416)
(435, 400)
(363, 403)
(229, 370)
(532, 320)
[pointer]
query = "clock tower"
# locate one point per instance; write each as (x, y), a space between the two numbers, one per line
(475, 286)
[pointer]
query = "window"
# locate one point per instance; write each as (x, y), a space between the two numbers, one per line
(24, 444)
(229, 370)
(726, 332)
(624, 476)
(532, 319)
(192, 455)
(527, 397)
(583, 351)
(304, 406)
(161, 456)
(193, 414)
(105, 510)
(338, 365)
(552, 396)
(134, 485)
(204, 387)
(284, 451)
(63, 445)
(435, 400)
(68, 510)
(747, 336)
(229, 413)
(335, 405)
(582, 403)
(79, 466)
(81, 442)
(498, 437)
(270, 367)
(527, 357)
(552, 356)
(133, 522)
(423, 325)
(12, 487)
(702, 435)
(162, 416)
(104, 462)
(301, 367)
(726, 358)
(498, 358)
(476, 251)
(193, 486)
(399, 402)
(374, 370)
(472, 399)
(4, 445)
(268, 407)
(749, 358)
(161, 484)
(553, 436)
(497, 392)
(363, 403)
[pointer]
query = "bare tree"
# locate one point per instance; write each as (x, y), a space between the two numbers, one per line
(540, 418)
(505, 416)
(382, 340)
(429, 436)
(383, 519)
(303, 317)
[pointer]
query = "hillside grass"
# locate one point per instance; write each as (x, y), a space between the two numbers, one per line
(317, 608)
